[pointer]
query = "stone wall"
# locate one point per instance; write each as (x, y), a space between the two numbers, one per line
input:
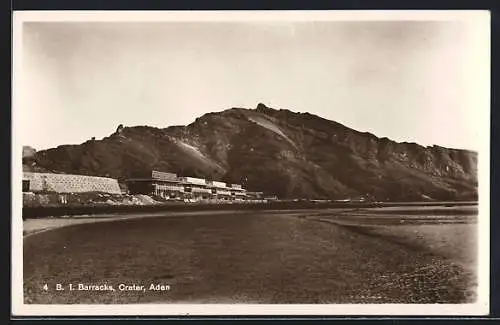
(64, 183)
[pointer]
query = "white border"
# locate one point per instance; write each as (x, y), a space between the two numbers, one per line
(254, 15)
(481, 307)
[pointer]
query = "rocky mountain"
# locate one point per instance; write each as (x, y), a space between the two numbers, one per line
(278, 151)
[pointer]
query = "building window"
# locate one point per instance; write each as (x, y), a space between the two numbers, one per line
(26, 185)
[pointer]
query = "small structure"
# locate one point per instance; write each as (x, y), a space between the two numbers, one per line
(237, 192)
(255, 195)
(28, 152)
(271, 198)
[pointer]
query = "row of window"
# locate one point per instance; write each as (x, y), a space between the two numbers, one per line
(170, 187)
(193, 189)
(158, 189)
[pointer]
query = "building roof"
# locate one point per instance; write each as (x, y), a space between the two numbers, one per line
(150, 179)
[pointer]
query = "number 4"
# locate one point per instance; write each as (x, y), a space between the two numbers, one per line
(45, 287)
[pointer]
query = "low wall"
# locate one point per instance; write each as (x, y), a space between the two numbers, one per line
(54, 211)
(64, 183)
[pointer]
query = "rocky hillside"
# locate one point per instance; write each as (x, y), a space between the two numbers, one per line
(278, 151)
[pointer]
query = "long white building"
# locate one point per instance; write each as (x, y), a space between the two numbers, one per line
(171, 185)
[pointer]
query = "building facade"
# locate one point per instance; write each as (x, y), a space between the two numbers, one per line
(219, 190)
(196, 188)
(166, 185)
(237, 192)
(255, 195)
(169, 185)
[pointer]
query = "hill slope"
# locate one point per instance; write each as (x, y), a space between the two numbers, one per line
(278, 151)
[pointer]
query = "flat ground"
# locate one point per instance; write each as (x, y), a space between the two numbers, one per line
(397, 255)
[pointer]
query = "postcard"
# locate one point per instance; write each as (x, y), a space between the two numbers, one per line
(251, 163)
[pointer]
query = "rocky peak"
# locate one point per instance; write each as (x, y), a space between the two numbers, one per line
(263, 108)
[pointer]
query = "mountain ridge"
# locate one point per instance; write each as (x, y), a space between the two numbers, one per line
(278, 151)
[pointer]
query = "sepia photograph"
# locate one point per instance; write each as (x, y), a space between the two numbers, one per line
(238, 163)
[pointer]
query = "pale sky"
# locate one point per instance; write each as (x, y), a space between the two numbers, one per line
(415, 81)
